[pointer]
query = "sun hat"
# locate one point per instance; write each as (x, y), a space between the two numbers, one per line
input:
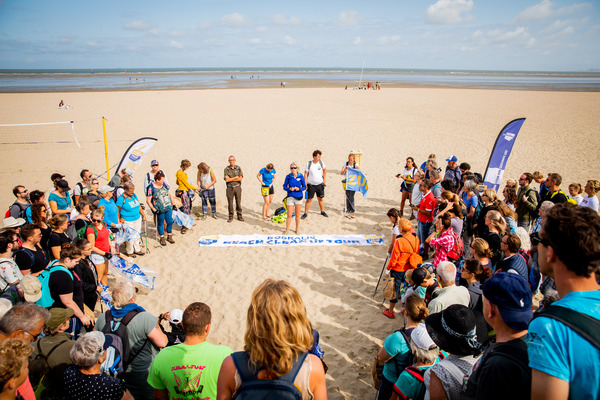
(452, 158)
(32, 288)
(63, 184)
(12, 222)
(420, 337)
(511, 294)
(457, 330)
(175, 316)
(105, 189)
(58, 316)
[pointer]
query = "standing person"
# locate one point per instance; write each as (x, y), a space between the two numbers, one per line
(496, 228)
(450, 293)
(160, 201)
(145, 337)
(92, 193)
(393, 215)
(10, 275)
(31, 258)
(206, 184)
(84, 380)
(194, 360)
(14, 367)
(395, 352)
(59, 200)
(81, 188)
(65, 287)
(490, 202)
(97, 235)
(185, 190)
(538, 177)
(233, 179)
(425, 210)
(406, 248)
(527, 201)
(59, 224)
(315, 175)
(349, 193)
(575, 191)
(149, 177)
(131, 214)
(513, 261)
(475, 275)
(565, 364)
(19, 207)
(87, 272)
(266, 177)
(591, 200)
(278, 337)
(294, 185)
(39, 218)
(416, 194)
(502, 371)
(408, 182)
(442, 239)
(111, 211)
(453, 172)
(36, 197)
(554, 193)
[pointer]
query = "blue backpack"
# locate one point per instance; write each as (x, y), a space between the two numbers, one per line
(253, 388)
(46, 300)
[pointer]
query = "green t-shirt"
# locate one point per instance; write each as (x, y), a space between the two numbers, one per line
(409, 386)
(188, 372)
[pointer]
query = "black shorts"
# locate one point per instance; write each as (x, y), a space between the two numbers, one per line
(318, 189)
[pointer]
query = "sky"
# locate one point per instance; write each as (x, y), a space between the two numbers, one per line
(518, 35)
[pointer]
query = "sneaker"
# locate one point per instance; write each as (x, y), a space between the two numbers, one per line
(304, 216)
(323, 213)
(389, 314)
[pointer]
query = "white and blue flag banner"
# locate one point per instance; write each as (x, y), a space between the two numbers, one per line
(356, 181)
(289, 240)
(135, 273)
(135, 153)
(500, 153)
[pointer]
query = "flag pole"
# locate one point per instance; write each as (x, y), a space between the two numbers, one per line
(106, 149)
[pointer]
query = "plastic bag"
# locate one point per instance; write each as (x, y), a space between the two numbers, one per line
(125, 234)
(183, 219)
(136, 273)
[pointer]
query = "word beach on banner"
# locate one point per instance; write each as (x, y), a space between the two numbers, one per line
(289, 240)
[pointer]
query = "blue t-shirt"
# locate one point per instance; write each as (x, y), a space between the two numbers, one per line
(130, 207)
(267, 177)
(472, 202)
(28, 215)
(408, 385)
(291, 181)
(557, 350)
(111, 212)
(395, 345)
(62, 203)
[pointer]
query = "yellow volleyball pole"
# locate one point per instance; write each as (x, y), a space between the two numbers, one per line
(106, 149)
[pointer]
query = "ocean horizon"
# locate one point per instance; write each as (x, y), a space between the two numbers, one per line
(110, 79)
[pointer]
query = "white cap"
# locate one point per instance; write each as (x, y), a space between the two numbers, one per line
(421, 338)
(175, 316)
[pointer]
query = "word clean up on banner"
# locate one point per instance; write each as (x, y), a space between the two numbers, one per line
(289, 240)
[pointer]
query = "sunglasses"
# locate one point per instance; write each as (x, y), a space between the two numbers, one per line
(96, 220)
(24, 191)
(293, 167)
(536, 240)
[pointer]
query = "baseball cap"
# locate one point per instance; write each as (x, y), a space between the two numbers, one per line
(105, 189)
(32, 288)
(154, 162)
(58, 316)
(63, 184)
(56, 176)
(421, 338)
(452, 158)
(511, 294)
(175, 316)
(419, 275)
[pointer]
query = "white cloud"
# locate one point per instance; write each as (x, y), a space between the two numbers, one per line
(66, 38)
(347, 18)
(288, 40)
(138, 25)
(385, 40)
(449, 11)
(176, 33)
(234, 20)
(254, 41)
(93, 45)
(356, 41)
(214, 42)
(153, 32)
(175, 44)
(519, 36)
(546, 9)
(279, 19)
(261, 29)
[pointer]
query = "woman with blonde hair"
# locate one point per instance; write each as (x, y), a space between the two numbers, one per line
(278, 337)
(206, 184)
(480, 250)
(591, 200)
(59, 224)
(496, 228)
(489, 199)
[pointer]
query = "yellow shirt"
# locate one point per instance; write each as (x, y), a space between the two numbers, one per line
(183, 182)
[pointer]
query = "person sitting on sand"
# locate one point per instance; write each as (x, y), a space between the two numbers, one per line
(63, 106)
(294, 185)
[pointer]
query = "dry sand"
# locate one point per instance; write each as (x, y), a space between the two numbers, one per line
(259, 126)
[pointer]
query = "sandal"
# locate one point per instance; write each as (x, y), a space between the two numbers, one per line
(389, 314)
(140, 253)
(183, 231)
(215, 216)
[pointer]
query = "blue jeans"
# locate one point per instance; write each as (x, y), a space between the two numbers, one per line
(208, 196)
(398, 282)
(423, 229)
(160, 222)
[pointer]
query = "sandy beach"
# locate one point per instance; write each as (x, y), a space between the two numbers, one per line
(259, 126)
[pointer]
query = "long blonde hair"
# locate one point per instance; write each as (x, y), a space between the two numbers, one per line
(497, 220)
(277, 328)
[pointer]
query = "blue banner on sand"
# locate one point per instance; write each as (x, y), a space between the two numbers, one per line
(500, 153)
(357, 182)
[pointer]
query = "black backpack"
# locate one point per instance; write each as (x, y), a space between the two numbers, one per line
(282, 388)
(535, 214)
(411, 358)
(118, 355)
(39, 370)
(115, 196)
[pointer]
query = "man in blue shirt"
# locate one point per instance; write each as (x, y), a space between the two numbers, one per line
(510, 245)
(564, 364)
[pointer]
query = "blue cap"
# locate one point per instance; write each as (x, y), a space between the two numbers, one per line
(511, 294)
(452, 158)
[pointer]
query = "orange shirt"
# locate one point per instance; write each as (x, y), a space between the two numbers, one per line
(403, 248)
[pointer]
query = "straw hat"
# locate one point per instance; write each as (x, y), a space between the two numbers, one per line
(12, 222)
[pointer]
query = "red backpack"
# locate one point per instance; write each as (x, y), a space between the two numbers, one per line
(458, 250)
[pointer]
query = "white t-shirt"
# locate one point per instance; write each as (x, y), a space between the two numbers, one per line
(315, 172)
(9, 273)
(396, 230)
(590, 202)
(355, 165)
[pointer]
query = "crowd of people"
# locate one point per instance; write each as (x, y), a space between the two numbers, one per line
(466, 279)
